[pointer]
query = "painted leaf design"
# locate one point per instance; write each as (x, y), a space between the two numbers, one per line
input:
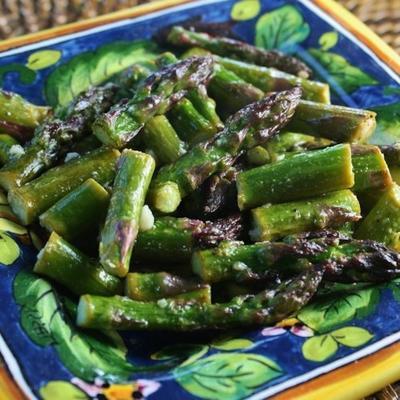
(388, 124)
(61, 390)
(352, 336)
(92, 68)
(328, 40)
(25, 74)
(43, 59)
(281, 29)
(319, 348)
(245, 9)
(229, 376)
(9, 226)
(85, 354)
(9, 249)
(324, 314)
(232, 344)
(181, 353)
(346, 75)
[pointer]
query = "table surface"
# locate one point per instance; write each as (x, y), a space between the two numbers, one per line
(26, 16)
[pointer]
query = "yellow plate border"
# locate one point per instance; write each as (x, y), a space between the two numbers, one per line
(352, 381)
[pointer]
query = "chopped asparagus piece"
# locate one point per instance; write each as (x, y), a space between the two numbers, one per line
(119, 234)
(79, 213)
(332, 210)
(298, 177)
(66, 265)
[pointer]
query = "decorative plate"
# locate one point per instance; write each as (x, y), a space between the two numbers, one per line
(344, 347)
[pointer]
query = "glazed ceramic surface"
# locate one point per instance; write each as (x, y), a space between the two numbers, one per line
(51, 359)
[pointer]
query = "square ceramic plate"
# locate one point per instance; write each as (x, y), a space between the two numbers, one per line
(346, 347)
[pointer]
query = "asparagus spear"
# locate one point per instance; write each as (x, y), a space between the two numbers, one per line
(275, 221)
(344, 259)
(16, 110)
(172, 240)
(231, 92)
(56, 135)
(337, 123)
(250, 126)
(267, 307)
(271, 80)
(190, 125)
(76, 214)
(383, 222)
(370, 169)
(161, 138)
(158, 285)
(155, 96)
(178, 36)
(32, 199)
(66, 265)
(119, 234)
(6, 142)
(298, 177)
(205, 106)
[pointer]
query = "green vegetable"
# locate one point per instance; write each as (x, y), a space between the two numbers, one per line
(267, 307)
(79, 213)
(250, 126)
(270, 80)
(190, 125)
(66, 265)
(6, 142)
(383, 222)
(158, 285)
(227, 47)
(332, 210)
(161, 138)
(371, 172)
(34, 198)
(298, 177)
(337, 123)
(120, 230)
(155, 96)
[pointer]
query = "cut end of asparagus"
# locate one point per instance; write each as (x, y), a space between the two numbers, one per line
(20, 206)
(84, 312)
(166, 197)
(8, 180)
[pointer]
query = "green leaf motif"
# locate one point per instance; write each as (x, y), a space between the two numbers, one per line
(388, 124)
(92, 68)
(245, 9)
(328, 40)
(319, 348)
(181, 353)
(43, 59)
(346, 75)
(229, 376)
(61, 390)
(352, 336)
(232, 344)
(281, 29)
(9, 249)
(9, 226)
(26, 75)
(324, 314)
(85, 354)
